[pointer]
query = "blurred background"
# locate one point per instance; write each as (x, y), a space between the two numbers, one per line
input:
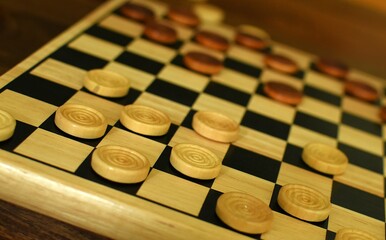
(352, 31)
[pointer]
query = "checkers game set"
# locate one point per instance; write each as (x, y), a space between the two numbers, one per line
(153, 122)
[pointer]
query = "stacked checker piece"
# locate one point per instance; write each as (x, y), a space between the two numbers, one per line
(240, 211)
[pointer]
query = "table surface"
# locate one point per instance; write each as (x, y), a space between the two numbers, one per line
(26, 27)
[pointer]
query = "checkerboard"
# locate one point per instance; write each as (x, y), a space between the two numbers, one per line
(47, 170)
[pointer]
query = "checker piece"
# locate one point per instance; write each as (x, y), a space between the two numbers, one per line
(281, 63)
(332, 68)
(160, 32)
(283, 92)
(325, 158)
(80, 121)
(202, 62)
(195, 161)
(304, 202)
(106, 83)
(120, 164)
(382, 113)
(145, 120)
(347, 234)
(212, 40)
(7, 125)
(252, 37)
(137, 12)
(244, 212)
(215, 126)
(183, 16)
(361, 90)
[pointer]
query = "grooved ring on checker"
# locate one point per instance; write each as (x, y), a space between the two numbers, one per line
(106, 83)
(325, 158)
(145, 120)
(215, 126)
(120, 164)
(80, 121)
(195, 161)
(7, 125)
(353, 234)
(304, 202)
(244, 212)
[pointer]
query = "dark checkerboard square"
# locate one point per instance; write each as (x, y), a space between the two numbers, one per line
(208, 212)
(189, 119)
(316, 124)
(265, 124)
(330, 235)
(363, 159)
(274, 205)
(108, 35)
(85, 171)
(252, 163)
(139, 62)
(41, 89)
(163, 164)
(322, 95)
(293, 155)
(242, 67)
(173, 92)
(22, 131)
(78, 59)
(50, 126)
(228, 93)
(358, 201)
(362, 124)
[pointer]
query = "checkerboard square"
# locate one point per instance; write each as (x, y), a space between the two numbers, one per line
(362, 124)
(272, 75)
(242, 67)
(151, 50)
(322, 95)
(324, 83)
(252, 163)
(96, 47)
(195, 46)
(139, 62)
(48, 147)
(232, 180)
(236, 80)
(242, 54)
(227, 93)
(320, 109)
(265, 124)
(78, 59)
(300, 136)
(122, 25)
(108, 35)
(24, 108)
(261, 143)
(354, 199)
(60, 73)
(173, 192)
(172, 92)
(361, 109)
(270, 108)
(85, 171)
(362, 158)
(41, 89)
(316, 124)
(300, 57)
(362, 179)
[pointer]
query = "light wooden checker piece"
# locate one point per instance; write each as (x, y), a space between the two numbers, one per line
(347, 234)
(325, 158)
(106, 83)
(155, 211)
(120, 164)
(7, 125)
